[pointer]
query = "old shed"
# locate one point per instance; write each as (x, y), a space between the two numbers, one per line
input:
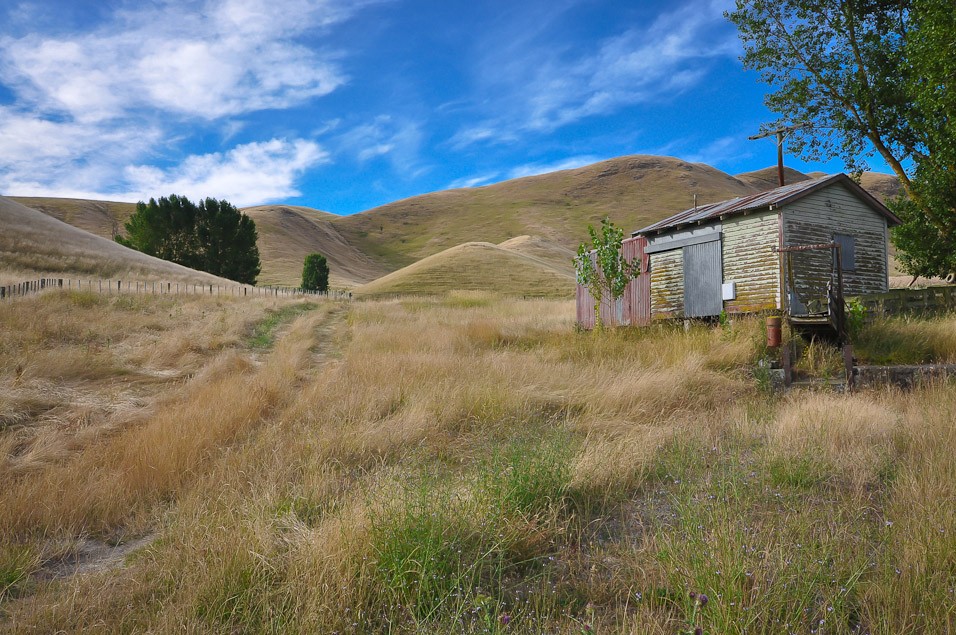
(726, 256)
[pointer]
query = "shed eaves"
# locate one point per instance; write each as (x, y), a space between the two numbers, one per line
(772, 198)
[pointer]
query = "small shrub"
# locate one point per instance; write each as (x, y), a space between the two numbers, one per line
(315, 273)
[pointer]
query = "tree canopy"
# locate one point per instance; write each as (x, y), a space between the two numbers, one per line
(212, 236)
(870, 76)
(315, 273)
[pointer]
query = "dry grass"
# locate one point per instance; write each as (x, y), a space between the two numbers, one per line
(35, 245)
(475, 267)
(908, 341)
(432, 465)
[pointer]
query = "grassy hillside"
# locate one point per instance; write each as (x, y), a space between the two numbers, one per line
(287, 234)
(103, 218)
(34, 244)
(554, 255)
(435, 466)
(475, 267)
(634, 191)
(555, 208)
(767, 179)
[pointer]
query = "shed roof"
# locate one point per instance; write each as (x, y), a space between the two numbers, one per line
(769, 200)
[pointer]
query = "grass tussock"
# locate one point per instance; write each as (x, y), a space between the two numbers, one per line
(908, 341)
(471, 464)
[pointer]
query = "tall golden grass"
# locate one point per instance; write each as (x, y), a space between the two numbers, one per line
(472, 464)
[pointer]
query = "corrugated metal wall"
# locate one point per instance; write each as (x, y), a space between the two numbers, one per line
(634, 307)
(702, 278)
(751, 262)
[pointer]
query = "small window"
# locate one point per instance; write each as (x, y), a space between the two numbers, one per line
(847, 251)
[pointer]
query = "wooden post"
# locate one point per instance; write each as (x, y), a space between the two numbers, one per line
(787, 362)
(848, 365)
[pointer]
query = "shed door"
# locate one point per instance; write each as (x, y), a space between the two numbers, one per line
(702, 278)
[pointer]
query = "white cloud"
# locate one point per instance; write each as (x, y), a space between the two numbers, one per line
(91, 109)
(399, 140)
(542, 87)
(205, 60)
(248, 174)
(473, 181)
(721, 151)
(533, 169)
(528, 169)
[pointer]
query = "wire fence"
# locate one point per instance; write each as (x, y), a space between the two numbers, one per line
(134, 287)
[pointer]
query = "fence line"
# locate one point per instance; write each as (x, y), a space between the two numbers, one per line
(137, 287)
(910, 301)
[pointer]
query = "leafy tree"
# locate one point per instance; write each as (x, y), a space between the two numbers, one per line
(227, 240)
(213, 236)
(870, 76)
(601, 266)
(922, 250)
(165, 229)
(926, 241)
(315, 273)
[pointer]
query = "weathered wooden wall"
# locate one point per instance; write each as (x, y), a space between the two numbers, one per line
(814, 219)
(750, 261)
(667, 284)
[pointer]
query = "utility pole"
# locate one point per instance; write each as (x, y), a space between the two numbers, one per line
(781, 135)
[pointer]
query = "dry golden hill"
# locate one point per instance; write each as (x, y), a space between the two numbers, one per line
(287, 234)
(474, 266)
(633, 191)
(555, 208)
(556, 256)
(767, 178)
(103, 218)
(34, 244)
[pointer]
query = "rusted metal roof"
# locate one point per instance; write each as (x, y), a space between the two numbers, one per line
(764, 200)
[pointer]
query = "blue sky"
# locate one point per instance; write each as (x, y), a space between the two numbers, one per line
(345, 105)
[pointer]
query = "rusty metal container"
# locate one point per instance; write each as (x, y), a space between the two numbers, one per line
(774, 331)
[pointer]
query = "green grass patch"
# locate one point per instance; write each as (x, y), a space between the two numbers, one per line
(773, 547)
(452, 550)
(263, 335)
(802, 473)
(17, 563)
(897, 341)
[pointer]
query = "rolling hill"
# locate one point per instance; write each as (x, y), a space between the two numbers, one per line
(552, 210)
(287, 234)
(34, 244)
(475, 266)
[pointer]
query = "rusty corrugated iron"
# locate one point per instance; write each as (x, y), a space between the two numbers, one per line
(775, 197)
(634, 307)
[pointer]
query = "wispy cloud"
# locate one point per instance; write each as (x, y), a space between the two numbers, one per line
(528, 169)
(398, 140)
(248, 174)
(533, 169)
(551, 87)
(473, 181)
(721, 151)
(205, 60)
(128, 90)
(245, 175)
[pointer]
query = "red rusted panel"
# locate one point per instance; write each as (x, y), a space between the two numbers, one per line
(634, 307)
(638, 292)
